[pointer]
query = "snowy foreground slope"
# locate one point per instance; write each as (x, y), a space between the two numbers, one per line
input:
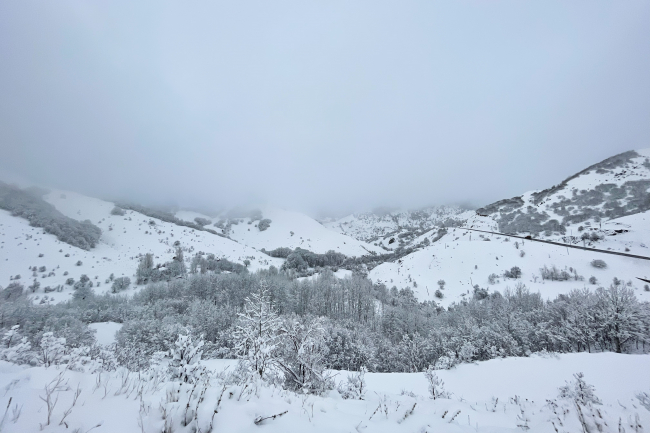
(123, 239)
(501, 395)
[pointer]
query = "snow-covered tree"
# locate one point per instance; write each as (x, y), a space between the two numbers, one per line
(619, 315)
(302, 355)
(257, 333)
(52, 350)
(15, 348)
(435, 384)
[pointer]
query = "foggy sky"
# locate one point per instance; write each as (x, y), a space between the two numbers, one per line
(316, 105)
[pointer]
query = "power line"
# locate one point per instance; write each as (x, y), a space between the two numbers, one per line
(529, 238)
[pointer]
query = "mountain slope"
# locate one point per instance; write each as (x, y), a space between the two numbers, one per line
(605, 207)
(390, 229)
(294, 229)
(123, 240)
(615, 187)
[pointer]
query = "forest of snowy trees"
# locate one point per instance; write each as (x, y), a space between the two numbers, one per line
(359, 324)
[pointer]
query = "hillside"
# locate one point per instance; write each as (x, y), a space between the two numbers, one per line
(390, 229)
(605, 207)
(615, 187)
(123, 240)
(287, 229)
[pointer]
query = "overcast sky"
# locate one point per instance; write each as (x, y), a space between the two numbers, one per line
(318, 105)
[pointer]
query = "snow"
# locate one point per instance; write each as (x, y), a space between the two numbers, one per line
(496, 395)
(118, 249)
(454, 258)
(294, 229)
(105, 332)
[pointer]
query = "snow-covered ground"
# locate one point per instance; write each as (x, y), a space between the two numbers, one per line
(123, 239)
(501, 395)
(293, 229)
(463, 258)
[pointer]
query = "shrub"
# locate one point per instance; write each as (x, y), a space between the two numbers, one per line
(355, 385)
(121, 283)
(554, 274)
(480, 293)
(593, 280)
(514, 273)
(436, 385)
(69, 281)
(12, 291)
(202, 221)
(118, 211)
(493, 278)
(79, 263)
(600, 264)
(264, 224)
(439, 294)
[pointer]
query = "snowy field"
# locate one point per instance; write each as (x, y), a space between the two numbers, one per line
(501, 395)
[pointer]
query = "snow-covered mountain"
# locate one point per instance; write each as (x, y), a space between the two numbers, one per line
(390, 229)
(284, 229)
(123, 240)
(615, 187)
(605, 206)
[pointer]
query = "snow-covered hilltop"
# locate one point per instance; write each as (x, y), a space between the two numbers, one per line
(613, 188)
(288, 229)
(390, 229)
(605, 206)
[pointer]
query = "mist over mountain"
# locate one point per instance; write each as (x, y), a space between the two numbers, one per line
(319, 107)
(324, 216)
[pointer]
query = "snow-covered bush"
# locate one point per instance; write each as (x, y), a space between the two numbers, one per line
(185, 356)
(118, 211)
(301, 355)
(435, 384)
(16, 348)
(120, 284)
(514, 273)
(264, 224)
(597, 263)
(583, 397)
(52, 350)
(354, 386)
